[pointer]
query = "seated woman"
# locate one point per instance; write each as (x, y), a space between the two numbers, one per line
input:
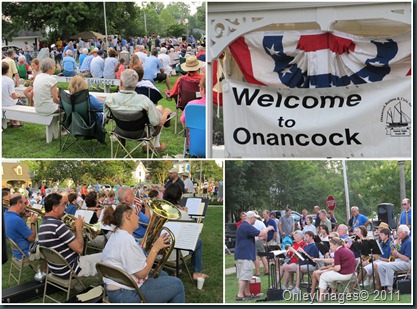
(201, 101)
(91, 202)
(45, 90)
(9, 97)
(124, 252)
(287, 270)
(78, 84)
(173, 195)
(108, 221)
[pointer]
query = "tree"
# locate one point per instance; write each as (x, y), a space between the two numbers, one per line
(200, 16)
(179, 10)
(159, 170)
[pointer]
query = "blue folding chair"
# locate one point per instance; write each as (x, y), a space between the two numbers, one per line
(195, 124)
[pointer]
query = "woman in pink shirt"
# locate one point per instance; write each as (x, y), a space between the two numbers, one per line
(201, 101)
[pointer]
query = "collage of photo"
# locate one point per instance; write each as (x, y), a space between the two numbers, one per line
(207, 152)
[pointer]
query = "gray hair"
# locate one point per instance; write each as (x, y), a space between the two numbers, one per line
(122, 192)
(299, 233)
(22, 58)
(354, 208)
(46, 65)
(69, 52)
(85, 51)
(129, 79)
(404, 228)
(141, 47)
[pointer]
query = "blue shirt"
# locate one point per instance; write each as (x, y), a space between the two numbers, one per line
(311, 250)
(151, 67)
(271, 232)
(109, 66)
(81, 59)
(69, 64)
(178, 181)
(18, 231)
(71, 209)
(405, 248)
(245, 242)
(97, 67)
(98, 106)
(141, 230)
(386, 249)
(359, 220)
(85, 66)
(404, 215)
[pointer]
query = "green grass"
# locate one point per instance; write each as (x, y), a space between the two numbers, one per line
(231, 288)
(212, 292)
(229, 261)
(29, 141)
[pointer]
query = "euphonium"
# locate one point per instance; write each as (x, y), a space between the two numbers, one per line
(90, 231)
(161, 212)
(40, 212)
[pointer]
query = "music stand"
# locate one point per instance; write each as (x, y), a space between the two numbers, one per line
(323, 246)
(370, 247)
(361, 248)
(309, 262)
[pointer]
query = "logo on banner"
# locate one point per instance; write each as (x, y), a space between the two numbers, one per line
(396, 114)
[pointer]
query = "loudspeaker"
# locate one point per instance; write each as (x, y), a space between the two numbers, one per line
(404, 286)
(274, 294)
(386, 214)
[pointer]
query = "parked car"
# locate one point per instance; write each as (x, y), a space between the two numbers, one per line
(15, 48)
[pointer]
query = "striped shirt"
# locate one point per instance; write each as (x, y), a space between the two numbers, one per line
(54, 234)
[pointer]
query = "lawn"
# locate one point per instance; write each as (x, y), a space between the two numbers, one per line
(212, 292)
(231, 288)
(29, 141)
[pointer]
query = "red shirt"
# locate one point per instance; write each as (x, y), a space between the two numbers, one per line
(189, 76)
(296, 245)
(239, 223)
(346, 259)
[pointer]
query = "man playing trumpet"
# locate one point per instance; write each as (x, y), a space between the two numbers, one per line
(53, 233)
(16, 228)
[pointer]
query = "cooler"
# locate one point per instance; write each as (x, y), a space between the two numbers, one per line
(255, 285)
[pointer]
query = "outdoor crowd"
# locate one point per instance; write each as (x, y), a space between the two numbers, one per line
(130, 62)
(123, 213)
(322, 249)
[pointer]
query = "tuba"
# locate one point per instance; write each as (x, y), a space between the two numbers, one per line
(162, 211)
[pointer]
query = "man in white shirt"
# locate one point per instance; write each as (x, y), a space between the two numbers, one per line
(260, 248)
(142, 54)
(188, 185)
(165, 60)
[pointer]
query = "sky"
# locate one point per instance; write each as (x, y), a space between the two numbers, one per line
(193, 4)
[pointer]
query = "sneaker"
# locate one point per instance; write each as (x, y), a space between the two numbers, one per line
(366, 283)
(283, 287)
(295, 290)
(238, 298)
(290, 287)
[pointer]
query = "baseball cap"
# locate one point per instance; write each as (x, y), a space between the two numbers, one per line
(173, 170)
(251, 214)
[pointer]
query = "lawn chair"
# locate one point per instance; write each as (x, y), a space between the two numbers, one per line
(195, 124)
(120, 276)
(132, 126)
(53, 257)
(78, 120)
(152, 94)
(188, 90)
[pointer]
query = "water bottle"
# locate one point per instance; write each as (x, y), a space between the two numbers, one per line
(40, 275)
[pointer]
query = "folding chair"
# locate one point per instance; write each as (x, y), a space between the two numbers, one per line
(120, 276)
(19, 264)
(182, 261)
(133, 126)
(188, 90)
(53, 257)
(78, 120)
(195, 124)
(152, 94)
(352, 281)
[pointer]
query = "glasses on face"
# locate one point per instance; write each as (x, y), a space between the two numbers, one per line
(404, 204)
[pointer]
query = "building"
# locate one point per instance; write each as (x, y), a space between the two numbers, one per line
(15, 175)
(32, 37)
(140, 172)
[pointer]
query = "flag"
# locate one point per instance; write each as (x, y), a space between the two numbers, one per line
(318, 59)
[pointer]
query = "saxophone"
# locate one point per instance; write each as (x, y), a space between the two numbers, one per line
(392, 257)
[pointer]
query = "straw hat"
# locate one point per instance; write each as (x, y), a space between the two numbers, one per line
(94, 51)
(191, 64)
(383, 225)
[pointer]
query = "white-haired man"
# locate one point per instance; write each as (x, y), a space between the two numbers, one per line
(165, 61)
(402, 262)
(358, 219)
(128, 100)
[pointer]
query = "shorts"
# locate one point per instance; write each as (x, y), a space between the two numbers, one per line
(160, 77)
(244, 269)
(259, 246)
(311, 268)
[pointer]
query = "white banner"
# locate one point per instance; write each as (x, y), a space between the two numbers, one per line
(365, 121)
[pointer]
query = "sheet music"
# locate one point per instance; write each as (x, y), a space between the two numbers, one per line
(186, 234)
(279, 252)
(195, 207)
(87, 215)
(37, 206)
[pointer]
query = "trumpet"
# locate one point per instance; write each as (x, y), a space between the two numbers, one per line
(90, 231)
(40, 212)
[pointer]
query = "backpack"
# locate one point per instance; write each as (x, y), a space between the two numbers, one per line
(21, 69)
